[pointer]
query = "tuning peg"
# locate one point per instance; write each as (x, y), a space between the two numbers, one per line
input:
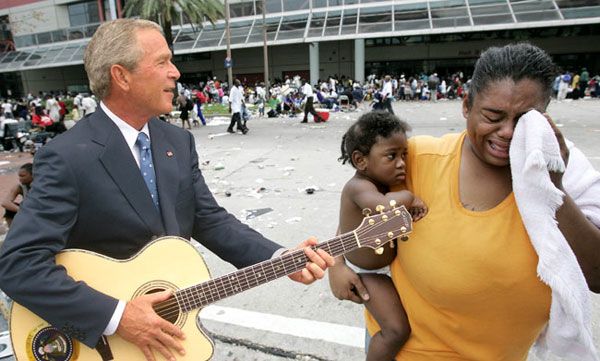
(366, 212)
(404, 238)
(393, 203)
(379, 251)
(392, 244)
(380, 208)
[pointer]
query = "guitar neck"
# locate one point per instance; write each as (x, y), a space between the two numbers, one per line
(205, 293)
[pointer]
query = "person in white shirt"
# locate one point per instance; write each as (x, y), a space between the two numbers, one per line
(52, 108)
(236, 99)
(7, 109)
(261, 99)
(307, 90)
(386, 94)
(88, 105)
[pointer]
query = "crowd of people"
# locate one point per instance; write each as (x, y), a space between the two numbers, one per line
(575, 85)
(285, 97)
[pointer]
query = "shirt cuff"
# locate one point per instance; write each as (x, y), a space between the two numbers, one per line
(113, 324)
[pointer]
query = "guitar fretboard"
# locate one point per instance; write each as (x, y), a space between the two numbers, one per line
(228, 285)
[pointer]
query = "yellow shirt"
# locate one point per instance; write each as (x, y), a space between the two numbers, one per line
(467, 279)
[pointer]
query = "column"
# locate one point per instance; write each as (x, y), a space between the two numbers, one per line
(113, 9)
(359, 60)
(313, 59)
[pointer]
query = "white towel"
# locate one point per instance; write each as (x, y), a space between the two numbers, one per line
(534, 151)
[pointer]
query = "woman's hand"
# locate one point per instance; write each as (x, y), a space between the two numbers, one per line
(556, 177)
(345, 283)
(418, 209)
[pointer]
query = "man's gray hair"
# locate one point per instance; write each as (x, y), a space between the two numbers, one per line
(113, 43)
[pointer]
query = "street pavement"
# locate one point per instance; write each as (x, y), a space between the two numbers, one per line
(263, 178)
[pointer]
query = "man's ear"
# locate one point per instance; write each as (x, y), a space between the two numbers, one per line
(359, 160)
(120, 77)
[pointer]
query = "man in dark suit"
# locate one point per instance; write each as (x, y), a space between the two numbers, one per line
(103, 188)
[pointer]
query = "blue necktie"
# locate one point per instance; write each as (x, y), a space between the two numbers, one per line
(146, 166)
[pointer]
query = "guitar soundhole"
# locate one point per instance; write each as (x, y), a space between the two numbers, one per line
(169, 309)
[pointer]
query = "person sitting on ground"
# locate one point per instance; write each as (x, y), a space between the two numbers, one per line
(17, 194)
(275, 106)
(376, 147)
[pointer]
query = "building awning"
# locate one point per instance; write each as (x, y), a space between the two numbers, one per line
(375, 19)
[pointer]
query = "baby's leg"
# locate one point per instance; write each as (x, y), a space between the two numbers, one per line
(385, 305)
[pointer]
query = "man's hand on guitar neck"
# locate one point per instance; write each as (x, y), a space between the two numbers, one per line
(315, 269)
(141, 326)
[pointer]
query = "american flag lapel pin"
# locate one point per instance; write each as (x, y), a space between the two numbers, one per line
(169, 154)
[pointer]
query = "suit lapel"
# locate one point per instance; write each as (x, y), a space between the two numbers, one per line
(120, 164)
(165, 165)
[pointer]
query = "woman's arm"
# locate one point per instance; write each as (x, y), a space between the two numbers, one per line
(583, 238)
(581, 234)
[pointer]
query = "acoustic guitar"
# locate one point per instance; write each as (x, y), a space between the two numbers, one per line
(189, 279)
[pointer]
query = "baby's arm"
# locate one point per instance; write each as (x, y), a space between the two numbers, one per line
(364, 194)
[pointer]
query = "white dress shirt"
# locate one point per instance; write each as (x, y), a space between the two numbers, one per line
(130, 134)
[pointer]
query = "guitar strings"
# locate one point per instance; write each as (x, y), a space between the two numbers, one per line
(171, 307)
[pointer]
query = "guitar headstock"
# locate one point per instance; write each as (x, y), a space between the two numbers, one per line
(383, 227)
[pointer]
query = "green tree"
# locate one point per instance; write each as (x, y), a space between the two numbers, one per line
(164, 11)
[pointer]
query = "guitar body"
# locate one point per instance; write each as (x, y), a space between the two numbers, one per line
(166, 263)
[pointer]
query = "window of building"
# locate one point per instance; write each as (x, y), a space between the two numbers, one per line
(241, 9)
(291, 5)
(83, 13)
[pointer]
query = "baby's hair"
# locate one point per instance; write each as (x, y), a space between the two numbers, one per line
(362, 135)
(27, 167)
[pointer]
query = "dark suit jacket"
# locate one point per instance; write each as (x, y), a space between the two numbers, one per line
(88, 193)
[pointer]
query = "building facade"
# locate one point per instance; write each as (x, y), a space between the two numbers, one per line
(313, 38)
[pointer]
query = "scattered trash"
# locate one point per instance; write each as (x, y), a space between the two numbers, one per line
(219, 166)
(261, 189)
(293, 220)
(288, 169)
(211, 136)
(253, 213)
(227, 194)
(5, 345)
(309, 190)
(206, 162)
